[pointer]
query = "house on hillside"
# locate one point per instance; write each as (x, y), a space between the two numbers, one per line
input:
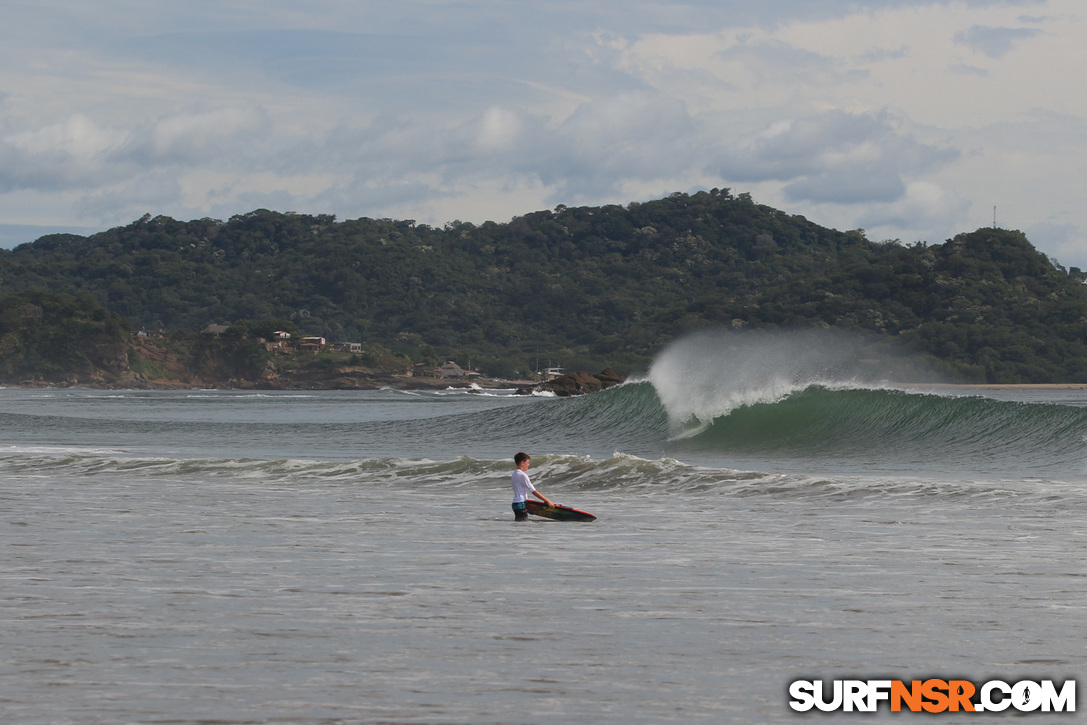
(347, 347)
(312, 344)
(281, 342)
(451, 370)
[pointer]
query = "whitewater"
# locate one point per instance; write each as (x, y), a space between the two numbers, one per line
(768, 511)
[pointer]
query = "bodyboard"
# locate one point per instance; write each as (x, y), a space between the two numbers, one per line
(557, 512)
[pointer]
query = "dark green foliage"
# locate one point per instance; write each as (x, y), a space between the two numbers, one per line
(585, 286)
(46, 336)
(228, 357)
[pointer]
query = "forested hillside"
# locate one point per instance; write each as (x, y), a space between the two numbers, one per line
(60, 338)
(583, 287)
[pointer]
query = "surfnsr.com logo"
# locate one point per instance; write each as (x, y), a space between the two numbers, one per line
(932, 695)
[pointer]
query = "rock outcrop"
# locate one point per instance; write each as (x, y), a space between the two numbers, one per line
(575, 383)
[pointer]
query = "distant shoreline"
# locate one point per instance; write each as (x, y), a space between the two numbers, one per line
(1001, 386)
(407, 382)
(375, 382)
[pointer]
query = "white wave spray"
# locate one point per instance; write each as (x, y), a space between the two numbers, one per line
(707, 374)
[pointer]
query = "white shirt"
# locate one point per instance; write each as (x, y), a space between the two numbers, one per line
(522, 486)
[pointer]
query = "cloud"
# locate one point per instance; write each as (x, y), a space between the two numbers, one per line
(835, 156)
(882, 55)
(877, 114)
(925, 206)
(196, 136)
(498, 130)
(773, 60)
(853, 184)
(155, 192)
(994, 42)
(1066, 241)
(63, 155)
(970, 71)
(77, 137)
(629, 136)
(81, 153)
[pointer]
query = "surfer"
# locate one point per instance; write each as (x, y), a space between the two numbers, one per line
(522, 487)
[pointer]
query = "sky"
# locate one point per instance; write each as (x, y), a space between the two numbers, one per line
(911, 120)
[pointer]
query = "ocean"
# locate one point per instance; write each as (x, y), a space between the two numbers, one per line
(209, 556)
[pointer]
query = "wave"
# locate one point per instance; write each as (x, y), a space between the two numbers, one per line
(813, 405)
(840, 427)
(827, 396)
(566, 477)
(819, 427)
(893, 425)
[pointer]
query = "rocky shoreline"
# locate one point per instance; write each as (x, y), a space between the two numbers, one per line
(575, 384)
(377, 381)
(363, 381)
(578, 383)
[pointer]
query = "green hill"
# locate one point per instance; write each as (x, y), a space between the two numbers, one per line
(61, 338)
(584, 287)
